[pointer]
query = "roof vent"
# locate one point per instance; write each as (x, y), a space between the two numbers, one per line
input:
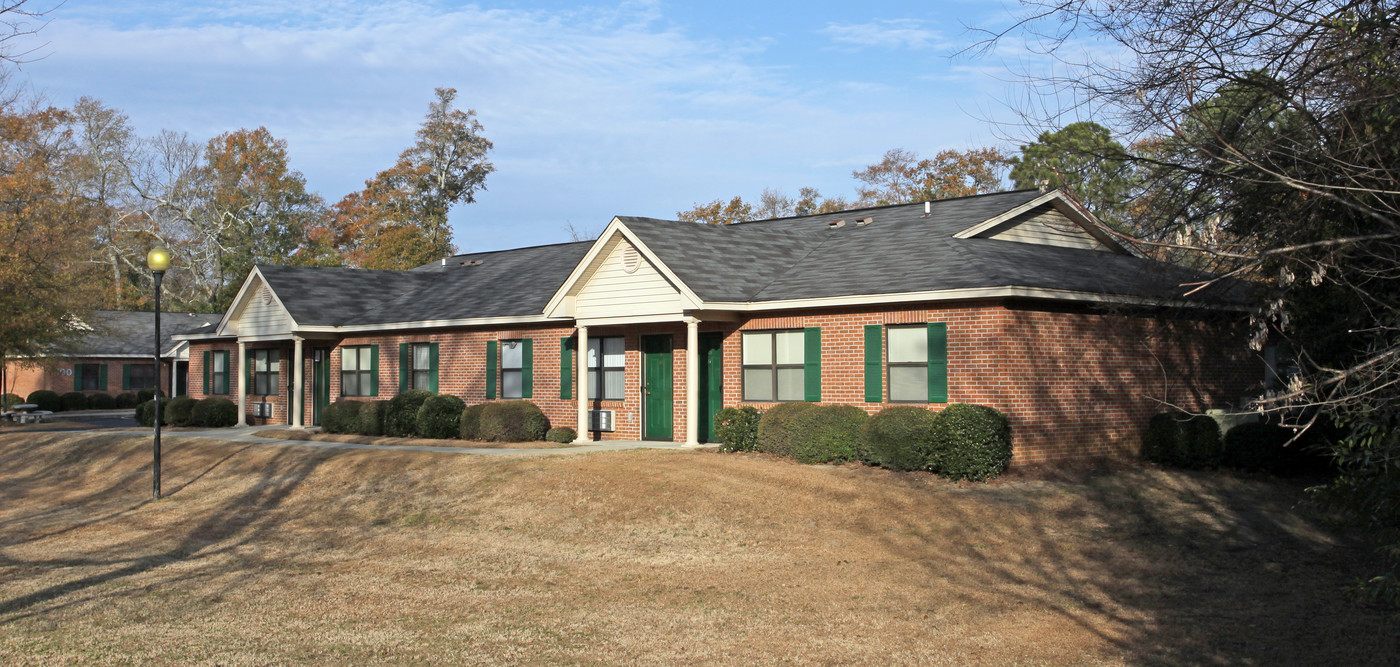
(471, 262)
(861, 222)
(928, 208)
(836, 224)
(631, 259)
(444, 261)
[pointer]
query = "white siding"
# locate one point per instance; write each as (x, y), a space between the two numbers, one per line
(609, 291)
(1046, 226)
(258, 317)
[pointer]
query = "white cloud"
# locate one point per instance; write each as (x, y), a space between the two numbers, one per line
(886, 33)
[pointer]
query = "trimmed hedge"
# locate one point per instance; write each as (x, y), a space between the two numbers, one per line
(214, 412)
(513, 421)
(126, 401)
(899, 437)
(370, 420)
(827, 433)
(970, 442)
(1182, 440)
(440, 417)
(561, 434)
(6, 400)
(340, 417)
(737, 429)
(46, 400)
(402, 417)
(101, 402)
(179, 411)
(776, 431)
(145, 413)
(147, 394)
(73, 400)
(470, 422)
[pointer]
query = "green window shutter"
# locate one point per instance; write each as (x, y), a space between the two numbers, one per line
(433, 367)
(490, 369)
(208, 374)
(812, 363)
(405, 358)
(874, 364)
(937, 362)
(374, 369)
(248, 359)
(228, 373)
(126, 376)
(566, 368)
(527, 368)
(102, 377)
(77, 377)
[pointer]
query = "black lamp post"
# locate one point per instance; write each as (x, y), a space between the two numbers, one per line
(158, 260)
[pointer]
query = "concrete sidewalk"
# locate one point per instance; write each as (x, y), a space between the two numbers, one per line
(247, 434)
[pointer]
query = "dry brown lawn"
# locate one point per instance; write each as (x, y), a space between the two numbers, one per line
(291, 434)
(286, 555)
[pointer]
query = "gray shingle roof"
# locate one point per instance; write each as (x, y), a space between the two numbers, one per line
(120, 332)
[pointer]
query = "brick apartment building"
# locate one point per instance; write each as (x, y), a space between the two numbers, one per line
(1016, 300)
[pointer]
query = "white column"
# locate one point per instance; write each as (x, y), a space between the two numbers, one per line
(242, 383)
(692, 382)
(299, 390)
(581, 387)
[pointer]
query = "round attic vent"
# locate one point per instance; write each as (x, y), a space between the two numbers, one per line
(266, 296)
(631, 259)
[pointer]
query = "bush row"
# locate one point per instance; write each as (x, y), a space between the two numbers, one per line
(212, 412)
(960, 442)
(1190, 441)
(76, 400)
(425, 414)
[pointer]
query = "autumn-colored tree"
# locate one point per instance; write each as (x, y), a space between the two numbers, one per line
(718, 212)
(900, 177)
(772, 204)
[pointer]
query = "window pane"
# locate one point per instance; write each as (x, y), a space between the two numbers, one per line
(420, 380)
(273, 363)
(365, 362)
(908, 344)
(595, 347)
(349, 359)
(613, 384)
(510, 384)
(349, 384)
(909, 383)
(758, 384)
(790, 384)
(758, 349)
(790, 347)
(510, 353)
(420, 357)
(220, 362)
(613, 353)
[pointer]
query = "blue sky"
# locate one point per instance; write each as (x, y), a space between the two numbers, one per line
(596, 110)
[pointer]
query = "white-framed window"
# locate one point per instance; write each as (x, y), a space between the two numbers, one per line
(421, 366)
(266, 366)
(773, 365)
(218, 377)
(607, 368)
(512, 368)
(356, 366)
(141, 376)
(906, 361)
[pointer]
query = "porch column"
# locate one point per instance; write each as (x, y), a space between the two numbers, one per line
(582, 385)
(298, 390)
(242, 383)
(692, 382)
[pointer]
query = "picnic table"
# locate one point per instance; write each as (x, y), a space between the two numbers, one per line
(26, 413)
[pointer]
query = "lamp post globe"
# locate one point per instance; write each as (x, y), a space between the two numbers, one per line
(157, 260)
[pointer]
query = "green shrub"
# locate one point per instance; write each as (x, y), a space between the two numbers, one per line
(145, 413)
(46, 400)
(899, 437)
(340, 417)
(179, 410)
(1182, 440)
(370, 420)
(147, 394)
(440, 417)
(970, 442)
(402, 418)
(827, 433)
(6, 400)
(214, 412)
(513, 421)
(775, 428)
(73, 400)
(101, 402)
(561, 434)
(737, 429)
(126, 401)
(471, 422)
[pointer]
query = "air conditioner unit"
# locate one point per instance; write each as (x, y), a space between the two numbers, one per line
(600, 420)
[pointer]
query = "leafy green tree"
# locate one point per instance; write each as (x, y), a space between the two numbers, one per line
(1084, 159)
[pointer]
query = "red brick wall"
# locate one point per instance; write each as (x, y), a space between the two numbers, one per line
(56, 375)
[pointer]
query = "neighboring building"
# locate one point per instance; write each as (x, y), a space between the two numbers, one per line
(115, 355)
(1016, 300)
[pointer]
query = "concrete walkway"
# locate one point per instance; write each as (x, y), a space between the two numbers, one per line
(247, 434)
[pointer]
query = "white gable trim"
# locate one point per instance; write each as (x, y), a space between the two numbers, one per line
(617, 228)
(244, 295)
(1065, 205)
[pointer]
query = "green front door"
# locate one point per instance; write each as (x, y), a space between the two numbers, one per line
(657, 392)
(320, 383)
(712, 375)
